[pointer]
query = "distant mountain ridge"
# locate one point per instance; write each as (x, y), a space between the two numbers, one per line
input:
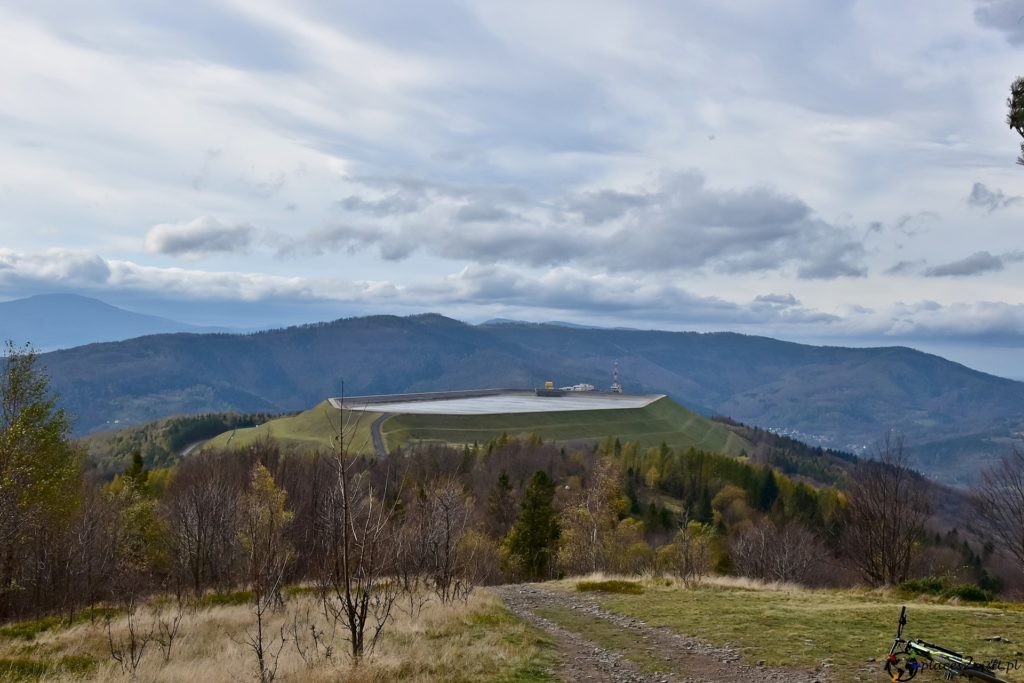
(60, 321)
(840, 397)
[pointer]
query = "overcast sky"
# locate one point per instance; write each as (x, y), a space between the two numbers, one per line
(838, 172)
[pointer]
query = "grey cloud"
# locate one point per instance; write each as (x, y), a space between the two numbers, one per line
(904, 267)
(568, 289)
(1004, 16)
(983, 198)
(978, 320)
(492, 287)
(831, 261)
(680, 224)
(482, 213)
(605, 205)
(687, 224)
(873, 227)
(198, 238)
(391, 205)
(908, 224)
(477, 286)
(350, 239)
(975, 264)
(778, 299)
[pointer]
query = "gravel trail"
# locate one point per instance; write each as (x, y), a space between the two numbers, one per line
(684, 659)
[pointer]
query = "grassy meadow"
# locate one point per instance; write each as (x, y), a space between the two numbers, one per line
(308, 430)
(786, 625)
(663, 420)
(842, 633)
(475, 641)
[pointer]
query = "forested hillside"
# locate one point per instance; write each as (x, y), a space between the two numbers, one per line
(839, 397)
(270, 531)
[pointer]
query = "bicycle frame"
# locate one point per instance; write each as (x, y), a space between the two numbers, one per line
(902, 663)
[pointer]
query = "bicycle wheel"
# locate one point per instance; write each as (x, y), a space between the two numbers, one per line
(901, 667)
(981, 675)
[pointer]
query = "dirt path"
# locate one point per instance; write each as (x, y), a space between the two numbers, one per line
(680, 659)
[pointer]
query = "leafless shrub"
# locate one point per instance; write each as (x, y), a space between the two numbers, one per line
(998, 500)
(481, 558)
(412, 552)
(201, 508)
(448, 510)
(770, 553)
(166, 624)
(888, 507)
(356, 522)
(313, 643)
(128, 649)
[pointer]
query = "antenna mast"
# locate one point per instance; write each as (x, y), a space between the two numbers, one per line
(616, 380)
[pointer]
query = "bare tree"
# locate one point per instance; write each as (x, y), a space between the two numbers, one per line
(357, 556)
(999, 503)
(201, 507)
(412, 553)
(264, 522)
(688, 556)
(888, 507)
(448, 512)
(768, 552)
(92, 547)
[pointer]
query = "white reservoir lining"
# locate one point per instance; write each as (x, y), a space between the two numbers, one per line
(488, 405)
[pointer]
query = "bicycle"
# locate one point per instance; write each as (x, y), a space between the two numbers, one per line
(903, 664)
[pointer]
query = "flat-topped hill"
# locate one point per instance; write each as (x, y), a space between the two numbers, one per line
(649, 420)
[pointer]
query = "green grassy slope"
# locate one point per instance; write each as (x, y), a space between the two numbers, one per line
(664, 420)
(307, 430)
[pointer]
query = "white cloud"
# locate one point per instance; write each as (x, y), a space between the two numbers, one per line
(55, 267)
(478, 156)
(485, 291)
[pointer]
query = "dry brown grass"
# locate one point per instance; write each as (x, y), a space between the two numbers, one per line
(474, 641)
